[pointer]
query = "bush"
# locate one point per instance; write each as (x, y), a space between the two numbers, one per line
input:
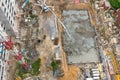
(115, 3)
(36, 67)
(54, 65)
(20, 73)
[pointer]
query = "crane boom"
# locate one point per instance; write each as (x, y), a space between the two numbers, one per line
(9, 45)
(47, 7)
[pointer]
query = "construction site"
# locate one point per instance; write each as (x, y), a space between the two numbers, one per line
(63, 36)
(57, 40)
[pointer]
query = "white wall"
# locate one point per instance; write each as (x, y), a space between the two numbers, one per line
(3, 56)
(9, 8)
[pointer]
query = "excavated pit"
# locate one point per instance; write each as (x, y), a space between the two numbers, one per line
(81, 47)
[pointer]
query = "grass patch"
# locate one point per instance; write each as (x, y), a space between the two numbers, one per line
(33, 16)
(115, 3)
(21, 72)
(36, 67)
(28, 60)
(54, 65)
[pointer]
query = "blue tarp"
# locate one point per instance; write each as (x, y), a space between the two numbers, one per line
(24, 4)
(1, 48)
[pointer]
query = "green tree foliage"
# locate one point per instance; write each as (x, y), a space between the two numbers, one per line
(36, 66)
(35, 69)
(115, 3)
(54, 65)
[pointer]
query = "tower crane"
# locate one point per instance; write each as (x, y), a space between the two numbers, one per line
(8, 44)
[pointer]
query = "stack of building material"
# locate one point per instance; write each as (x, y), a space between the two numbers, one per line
(96, 74)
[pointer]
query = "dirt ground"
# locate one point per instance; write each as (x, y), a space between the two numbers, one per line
(70, 72)
(11, 69)
(46, 49)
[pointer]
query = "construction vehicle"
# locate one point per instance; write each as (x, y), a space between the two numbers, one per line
(8, 44)
(115, 65)
(43, 5)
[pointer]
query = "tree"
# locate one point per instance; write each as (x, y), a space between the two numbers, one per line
(54, 65)
(115, 3)
(36, 67)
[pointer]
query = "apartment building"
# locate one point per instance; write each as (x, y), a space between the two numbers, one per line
(8, 10)
(4, 54)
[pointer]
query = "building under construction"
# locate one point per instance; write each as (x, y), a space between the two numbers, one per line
(54, 40)
(80, 48)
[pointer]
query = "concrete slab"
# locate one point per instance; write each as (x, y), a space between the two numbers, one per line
(81, 48)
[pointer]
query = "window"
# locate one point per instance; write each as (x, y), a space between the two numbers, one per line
(11, 22)
(14, 13)
(2, 4)
(3, 28)
(9, 17)
(7, 14)
(6, 2)
(13, 25)
(10, 10)
(8, 6)
(4, 9)
(1, 25)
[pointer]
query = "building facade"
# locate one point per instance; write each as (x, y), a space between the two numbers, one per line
(4, 54)
(8, 22)
(8, 10)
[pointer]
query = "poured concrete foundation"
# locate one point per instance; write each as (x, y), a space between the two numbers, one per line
(81, 47)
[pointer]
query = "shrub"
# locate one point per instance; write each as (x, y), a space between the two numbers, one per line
(115, 3)
(36, 67)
